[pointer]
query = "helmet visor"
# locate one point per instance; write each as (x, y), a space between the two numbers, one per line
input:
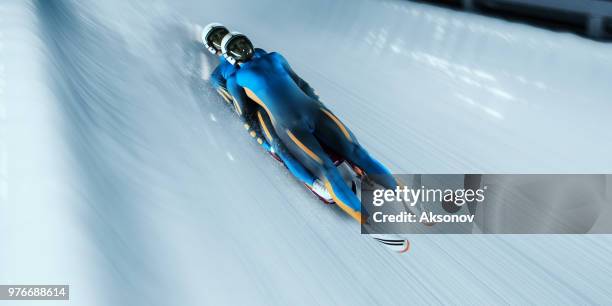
(216, 36)
(240, 48)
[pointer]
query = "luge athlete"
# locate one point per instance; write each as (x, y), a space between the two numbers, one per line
(255, 119)
(300, 120)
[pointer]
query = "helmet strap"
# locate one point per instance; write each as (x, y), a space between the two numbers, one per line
(210, 48)
(230, 59)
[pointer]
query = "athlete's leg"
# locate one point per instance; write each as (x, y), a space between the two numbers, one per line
(281, 151)
(335, 135)
(305, 147)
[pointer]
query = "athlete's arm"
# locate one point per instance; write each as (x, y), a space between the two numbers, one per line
(219, 83)
(219, 76)
(242, 103)
(304, 86)
(216, 78)
(246, 109)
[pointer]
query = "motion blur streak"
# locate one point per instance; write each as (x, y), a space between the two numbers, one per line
(125, 176)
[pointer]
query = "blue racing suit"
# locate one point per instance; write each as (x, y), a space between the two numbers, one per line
(256, 120)
(304, 124)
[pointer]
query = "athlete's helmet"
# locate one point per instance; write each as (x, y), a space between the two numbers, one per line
(213, 35)
(237, 48)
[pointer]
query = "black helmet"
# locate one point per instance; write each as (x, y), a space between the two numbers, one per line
(213, 35)
(237, 48)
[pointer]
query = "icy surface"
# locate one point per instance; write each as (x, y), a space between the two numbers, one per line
(124, 176)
